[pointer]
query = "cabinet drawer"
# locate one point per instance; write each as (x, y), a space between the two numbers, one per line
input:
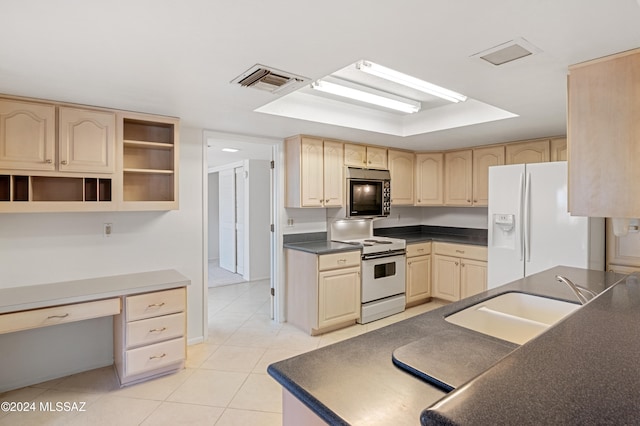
(418, 249)
(339, 260)
(461, 250)
(155, 304)
(155, 356)
(35, 318)
(154, 330)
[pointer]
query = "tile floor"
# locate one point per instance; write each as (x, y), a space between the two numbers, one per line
(225, 381)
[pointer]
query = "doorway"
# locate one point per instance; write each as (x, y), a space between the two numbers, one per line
(243, 195)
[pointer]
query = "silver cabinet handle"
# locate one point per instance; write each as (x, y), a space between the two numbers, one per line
(420, 249)
(58, 316)
(48, 161)
(63, 162)
(156, 305)
(342, 261)
(460, 251)
(157, 330)
(158, 356)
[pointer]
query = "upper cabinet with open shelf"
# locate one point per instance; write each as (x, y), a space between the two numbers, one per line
(64, 157)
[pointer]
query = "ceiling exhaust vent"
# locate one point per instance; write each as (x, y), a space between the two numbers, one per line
(507, 52)
(269, 79)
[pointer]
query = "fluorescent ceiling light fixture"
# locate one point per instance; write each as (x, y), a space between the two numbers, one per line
(409, 81)
(230, 150)
(407, 105)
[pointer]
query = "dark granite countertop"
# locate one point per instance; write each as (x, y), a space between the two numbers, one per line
(317, 242)
(356, 382)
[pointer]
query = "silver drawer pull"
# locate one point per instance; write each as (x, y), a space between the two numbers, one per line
(158, 356)
(420, 249)
(157, 330)
(58, 316)
(156, 305)
(342, 260)
(460, 251)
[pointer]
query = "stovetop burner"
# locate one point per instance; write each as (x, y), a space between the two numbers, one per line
(378, 241)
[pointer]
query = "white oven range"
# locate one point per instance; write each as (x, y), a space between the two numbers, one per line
(383, 276)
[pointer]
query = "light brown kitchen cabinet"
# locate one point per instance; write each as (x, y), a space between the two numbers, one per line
(401, 168)
(429, 179)
(315, 176)
(355, 155)
(86, 140)
(603, 134)
(458, 179)
(459, 270)
(58, 157)
(559, 149)
(537, 151)
(483, 158)
(418, 273)
(364, 156)
(150, 335)
(27, 135)
(150, 162)
(323, 291)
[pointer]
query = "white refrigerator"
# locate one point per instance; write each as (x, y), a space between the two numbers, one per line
(530, 229)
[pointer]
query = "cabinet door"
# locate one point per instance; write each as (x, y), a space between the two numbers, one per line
(623, 250)
(528, 152)
(312, 172)
(483, 158)
(446, 278)
(429, 174)
(457, 178)
(401, 165)
(355, 155)
(473, 277)
(418, 278)
(27, 135)
(376, 157)
(333, 174)
(603, 130)
(86, 140)
(559, 149)
(338, 296)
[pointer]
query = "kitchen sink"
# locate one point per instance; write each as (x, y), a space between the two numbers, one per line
(515, 317)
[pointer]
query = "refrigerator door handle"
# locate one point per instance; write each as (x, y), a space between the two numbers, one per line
(527, 207)
(521, 218)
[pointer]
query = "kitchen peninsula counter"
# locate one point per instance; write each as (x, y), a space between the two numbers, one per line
(355, 381)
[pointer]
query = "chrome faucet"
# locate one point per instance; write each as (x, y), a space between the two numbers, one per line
(577, 290)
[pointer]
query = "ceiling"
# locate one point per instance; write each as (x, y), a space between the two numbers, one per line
(178, 58)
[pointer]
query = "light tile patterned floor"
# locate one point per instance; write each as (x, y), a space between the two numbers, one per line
(225, 382)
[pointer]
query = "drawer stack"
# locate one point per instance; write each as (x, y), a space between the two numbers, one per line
(150, 335)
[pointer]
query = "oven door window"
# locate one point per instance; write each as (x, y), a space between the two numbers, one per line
(384, 270)
(366, 198)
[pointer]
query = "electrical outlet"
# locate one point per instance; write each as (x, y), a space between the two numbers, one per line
(290, 222)
(108, 228)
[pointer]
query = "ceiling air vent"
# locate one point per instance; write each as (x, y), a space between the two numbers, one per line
(507, 52)
(269, 79)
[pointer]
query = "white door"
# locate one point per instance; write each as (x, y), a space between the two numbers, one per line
(240, 215)
(227, 217)
(505, 243)
(553, 237)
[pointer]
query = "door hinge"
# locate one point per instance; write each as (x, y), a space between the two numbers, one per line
(273, 164)
(273, 291)
(272, 228)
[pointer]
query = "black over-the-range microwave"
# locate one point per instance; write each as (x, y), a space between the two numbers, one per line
(368, 192)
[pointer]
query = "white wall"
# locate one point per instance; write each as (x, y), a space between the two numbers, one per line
(461, 217)
(214, 217)
(51, 247)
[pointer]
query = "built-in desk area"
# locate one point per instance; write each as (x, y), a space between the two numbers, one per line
(148, 309)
